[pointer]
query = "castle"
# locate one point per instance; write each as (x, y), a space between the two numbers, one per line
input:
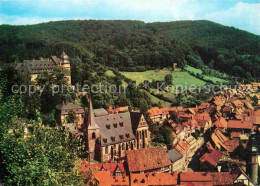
(109, 136)
(35, 67)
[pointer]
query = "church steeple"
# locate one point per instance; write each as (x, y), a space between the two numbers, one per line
(91, 117)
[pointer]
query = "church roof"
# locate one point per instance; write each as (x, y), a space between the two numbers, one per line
(100, 112)
(115, 128)
(91, 118)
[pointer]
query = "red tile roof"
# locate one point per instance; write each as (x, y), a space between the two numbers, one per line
(111, 110)
(212, 157)
(154, 111)
(220, 123)
(147, 159)
(256, 117)
(222, 178)
(197, 178)
(163, 178)
(108, 167)
(238, 124)
(235, 134)
(202, 116)
(105, 178)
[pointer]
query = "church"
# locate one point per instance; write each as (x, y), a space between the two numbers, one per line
(35, 67)
(109, 136)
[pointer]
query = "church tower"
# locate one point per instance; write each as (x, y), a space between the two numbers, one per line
(65, 63)
(92, 133)
(253, 155)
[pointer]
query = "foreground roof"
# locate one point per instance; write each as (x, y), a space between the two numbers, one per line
(147, 159)
(222, 178)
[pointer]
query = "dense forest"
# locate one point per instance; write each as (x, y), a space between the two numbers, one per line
(137, 46)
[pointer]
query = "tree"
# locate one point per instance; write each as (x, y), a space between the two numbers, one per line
(122, 101)
(174, 117)
(168, 79)
(72, 117)
(42, 156)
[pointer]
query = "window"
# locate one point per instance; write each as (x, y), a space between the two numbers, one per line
(93, 135)
(115, 125)
(105, 140)
(108, 126)
(113, 138)
(127, 135)
(123, 146)
(106, 149)
(135, 181)
(121, 124)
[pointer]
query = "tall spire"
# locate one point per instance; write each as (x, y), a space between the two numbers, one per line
(91, 118)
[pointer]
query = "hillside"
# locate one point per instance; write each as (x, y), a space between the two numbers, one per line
(136, 46)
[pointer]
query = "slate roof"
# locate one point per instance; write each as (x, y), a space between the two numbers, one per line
(135, 119)
(115, 128)
(39, 65)
(174, 155)
(65, 108)
(35, 66)
(100, 112)
(147, 159)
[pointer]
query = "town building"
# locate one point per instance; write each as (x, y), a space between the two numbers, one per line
(148, 160)
(65, 109)
(109, 136)
(196, 178)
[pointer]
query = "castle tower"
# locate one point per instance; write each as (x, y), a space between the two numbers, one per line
(65, 63)
(253, 155)
(93, 132)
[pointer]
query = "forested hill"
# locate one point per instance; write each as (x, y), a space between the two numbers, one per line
(136, 46)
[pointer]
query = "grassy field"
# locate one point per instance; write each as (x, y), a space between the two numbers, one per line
(156, 100)
(198, 71)
(185, 79)
(149, 75)
(110, 73)
(179, 78)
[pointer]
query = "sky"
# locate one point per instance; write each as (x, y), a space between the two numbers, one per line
(242, 14)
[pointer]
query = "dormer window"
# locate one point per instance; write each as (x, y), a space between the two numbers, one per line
(127, 135)
(108, 126)
(105, 140)
(115, 125)
(121, 124)
(121, 136)
(113, 138)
